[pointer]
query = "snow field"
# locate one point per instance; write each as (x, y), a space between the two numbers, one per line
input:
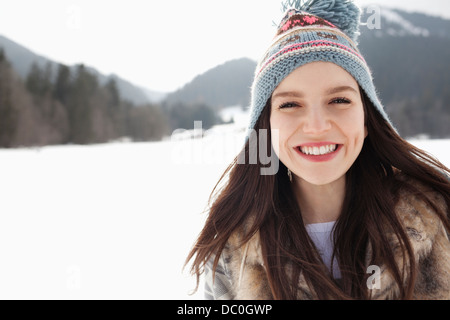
(112, 221)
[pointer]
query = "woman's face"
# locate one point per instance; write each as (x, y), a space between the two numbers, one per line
(320, 117)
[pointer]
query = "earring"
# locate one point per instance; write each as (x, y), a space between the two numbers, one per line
(289, 173)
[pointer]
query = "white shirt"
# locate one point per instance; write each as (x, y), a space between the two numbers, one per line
(321, 235)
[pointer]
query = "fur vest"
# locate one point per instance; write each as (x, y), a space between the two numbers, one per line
(426, 233)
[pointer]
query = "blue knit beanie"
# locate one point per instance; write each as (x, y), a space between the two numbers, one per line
(315, 30)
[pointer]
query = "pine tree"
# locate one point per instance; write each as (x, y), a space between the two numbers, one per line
(79, 106)
(38, 81)
(115, 109)
(8, 115)
(63, 84)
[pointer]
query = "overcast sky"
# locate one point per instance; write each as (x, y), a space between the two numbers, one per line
(160, 45)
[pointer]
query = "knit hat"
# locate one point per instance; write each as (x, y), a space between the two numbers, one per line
(315, 30)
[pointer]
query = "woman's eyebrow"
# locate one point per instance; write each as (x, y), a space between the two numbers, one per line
(294, 94)
(299, 94)
(341, 89)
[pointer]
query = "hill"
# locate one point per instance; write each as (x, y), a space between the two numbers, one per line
(21, 59)
(409, 57)
(225, 85)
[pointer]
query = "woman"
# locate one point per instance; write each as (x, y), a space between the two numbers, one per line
(353, 211)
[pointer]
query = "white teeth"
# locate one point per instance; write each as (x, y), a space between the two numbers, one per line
(319, 150)
(323, 150)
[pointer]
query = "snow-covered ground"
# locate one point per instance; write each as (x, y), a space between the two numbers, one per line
(111, 221)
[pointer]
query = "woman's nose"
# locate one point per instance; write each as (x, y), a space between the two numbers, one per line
(316, 121)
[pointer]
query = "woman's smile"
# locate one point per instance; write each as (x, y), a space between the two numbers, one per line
(318, 151)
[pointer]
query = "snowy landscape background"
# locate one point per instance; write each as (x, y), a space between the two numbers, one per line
(113, 221)
(117, 220)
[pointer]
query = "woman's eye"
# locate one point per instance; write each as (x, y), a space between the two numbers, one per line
(340, 101)
(288, 105)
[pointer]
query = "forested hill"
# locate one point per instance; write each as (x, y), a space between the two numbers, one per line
(69, 106)
(410, 60)
(21, 59)
(225, 85)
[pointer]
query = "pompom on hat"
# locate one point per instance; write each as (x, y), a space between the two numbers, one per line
(313, 30)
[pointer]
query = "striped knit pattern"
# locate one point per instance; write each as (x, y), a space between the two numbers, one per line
(303, 38)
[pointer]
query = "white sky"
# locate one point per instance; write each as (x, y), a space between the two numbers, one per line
(160, 45)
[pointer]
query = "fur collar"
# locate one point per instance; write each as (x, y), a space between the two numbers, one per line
(426, 234)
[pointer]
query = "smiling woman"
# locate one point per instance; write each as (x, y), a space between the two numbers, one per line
(350, 196)
(321, 128)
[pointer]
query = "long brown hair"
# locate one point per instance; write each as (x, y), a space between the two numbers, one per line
(371, 195)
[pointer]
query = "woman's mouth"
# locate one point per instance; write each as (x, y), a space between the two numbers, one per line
(318, 152)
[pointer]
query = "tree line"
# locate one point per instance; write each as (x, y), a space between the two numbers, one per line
(70, 106)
